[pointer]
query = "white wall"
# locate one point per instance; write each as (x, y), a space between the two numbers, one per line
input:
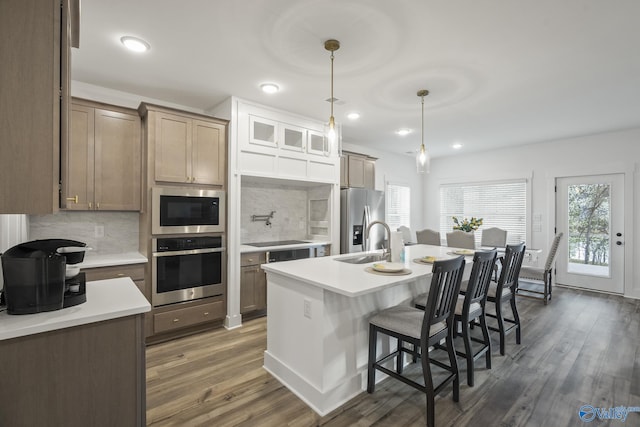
(399, 169)
(596, 154)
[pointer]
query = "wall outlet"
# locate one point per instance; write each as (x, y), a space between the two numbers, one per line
(98, 231)
(307, 308)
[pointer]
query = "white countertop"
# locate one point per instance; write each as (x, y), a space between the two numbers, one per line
(351, 279)
(307, 244)
(106, 299)
(107, 260)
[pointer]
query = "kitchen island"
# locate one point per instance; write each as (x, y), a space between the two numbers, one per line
(318, 314)
(78, 366)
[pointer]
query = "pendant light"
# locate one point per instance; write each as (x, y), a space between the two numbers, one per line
(333, 134)
(422, 157)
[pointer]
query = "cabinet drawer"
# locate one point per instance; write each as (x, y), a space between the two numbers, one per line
(135, 271)
(253, 258)
(184, 317)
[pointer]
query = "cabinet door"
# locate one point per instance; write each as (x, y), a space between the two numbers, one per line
(370, 174)
(253, 289)
(77, 160)
(344, 171)
(263, 131)
(316, 143)
(117, 161)
(173, 145)
(208, 153)
(34, 53)
(293, 138)
(356, 171)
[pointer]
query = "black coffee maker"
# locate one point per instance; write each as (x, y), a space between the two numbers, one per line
(41, 276)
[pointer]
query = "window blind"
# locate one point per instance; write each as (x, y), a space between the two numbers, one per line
(501, 204)
(398, 206)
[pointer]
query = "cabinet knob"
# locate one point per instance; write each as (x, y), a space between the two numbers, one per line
(193, 179)
(176, 320)
(73, 199)
(97, 205)
(206, 313)
(90, 205)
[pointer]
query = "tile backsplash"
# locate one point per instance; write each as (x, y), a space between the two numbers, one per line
(105, 232)
(289, 220)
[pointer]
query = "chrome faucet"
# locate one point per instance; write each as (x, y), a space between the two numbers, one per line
(385, 251)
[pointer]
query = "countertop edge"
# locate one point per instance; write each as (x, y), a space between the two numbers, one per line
(112, 260)
(398, 281)
(106, 300)
(248, 248)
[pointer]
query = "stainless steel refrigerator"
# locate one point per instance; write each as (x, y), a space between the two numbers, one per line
(358, 208)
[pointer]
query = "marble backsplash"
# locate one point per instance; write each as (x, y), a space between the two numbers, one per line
(289, 220)
(105, 232)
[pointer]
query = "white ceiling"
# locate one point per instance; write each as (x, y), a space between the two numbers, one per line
(500, 72)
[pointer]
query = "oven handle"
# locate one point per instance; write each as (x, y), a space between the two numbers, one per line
(189, 252)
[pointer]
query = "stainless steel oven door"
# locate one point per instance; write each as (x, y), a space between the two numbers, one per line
(180, 276)
(176, 210)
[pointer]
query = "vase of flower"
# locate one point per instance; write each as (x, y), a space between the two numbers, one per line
(465, 224)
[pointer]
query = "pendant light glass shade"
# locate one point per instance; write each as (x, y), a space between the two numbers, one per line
(334, 140)
(423, 162)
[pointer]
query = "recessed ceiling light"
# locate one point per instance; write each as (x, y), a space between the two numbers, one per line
(403, 132)
(269, 87)
(135, 44)
(353, 116)
(457, 146)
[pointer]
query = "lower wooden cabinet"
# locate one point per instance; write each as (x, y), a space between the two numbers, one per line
(188, 316)
(253, 282)
(135, 272)
(87, 375)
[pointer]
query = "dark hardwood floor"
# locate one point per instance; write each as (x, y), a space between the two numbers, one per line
(581, 349)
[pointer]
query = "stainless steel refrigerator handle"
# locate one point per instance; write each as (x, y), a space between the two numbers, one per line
(365, 224)
(365, 245)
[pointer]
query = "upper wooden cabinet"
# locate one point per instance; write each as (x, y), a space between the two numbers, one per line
(188, 148)
(35, 57)
(102, 160)
(357, 170)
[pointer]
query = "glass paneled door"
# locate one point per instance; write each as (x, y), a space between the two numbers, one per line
(590, 212)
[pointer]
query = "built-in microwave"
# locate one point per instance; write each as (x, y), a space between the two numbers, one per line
(187, 210)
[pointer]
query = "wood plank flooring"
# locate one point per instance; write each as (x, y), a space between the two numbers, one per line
(581, 349)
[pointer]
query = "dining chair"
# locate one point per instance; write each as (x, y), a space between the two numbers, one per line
(461, 239)
(428, 237)
(406, 234)
(493, 237)
(422, 329)
(505, 291)
(470, 307)
(543, 275)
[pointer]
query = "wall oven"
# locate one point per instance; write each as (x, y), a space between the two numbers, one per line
(187, 268)
(187, 210)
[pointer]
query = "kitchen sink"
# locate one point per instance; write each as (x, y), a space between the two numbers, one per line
(362, 259)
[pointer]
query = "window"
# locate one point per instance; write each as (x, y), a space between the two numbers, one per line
(501, 204)
(398, 206)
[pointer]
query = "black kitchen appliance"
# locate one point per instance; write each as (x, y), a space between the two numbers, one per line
(40, 276)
